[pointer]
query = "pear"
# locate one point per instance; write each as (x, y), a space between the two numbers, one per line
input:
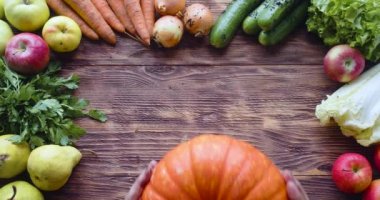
(20, 190)
(1, 9)
(13, 157)
(50, 166)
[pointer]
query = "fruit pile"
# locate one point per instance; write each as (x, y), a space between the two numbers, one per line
(352, 174)
(29, 85)
(60, 34)
(48, 166)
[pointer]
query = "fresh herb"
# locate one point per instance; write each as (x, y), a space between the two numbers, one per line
(41, 109)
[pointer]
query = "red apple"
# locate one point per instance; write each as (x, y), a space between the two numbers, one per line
(343, 63)
(373, 191)
(27, 53)
(352, 173)
(376, 157)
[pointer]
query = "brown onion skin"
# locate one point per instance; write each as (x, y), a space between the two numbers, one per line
(168, 31)
(169, 7)
(198, 19)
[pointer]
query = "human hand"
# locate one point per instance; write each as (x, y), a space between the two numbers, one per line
(293, 186)
(142, 180)
(294, 189)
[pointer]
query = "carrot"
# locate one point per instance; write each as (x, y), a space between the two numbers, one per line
(135, 13)
(59, 7)
(119, 10)
(147, 7)
(91, 15)
(109, 15)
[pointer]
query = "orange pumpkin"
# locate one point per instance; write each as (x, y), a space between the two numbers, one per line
(215, 167)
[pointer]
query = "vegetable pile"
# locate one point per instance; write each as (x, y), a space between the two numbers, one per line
(273, 20)
(99, 18)
(169, 28)
(41, 109)
(355, 107)
(355, 22)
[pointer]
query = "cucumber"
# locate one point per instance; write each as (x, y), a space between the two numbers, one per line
(274, 13)
(230, 20)
(250, 25)
(286, 26)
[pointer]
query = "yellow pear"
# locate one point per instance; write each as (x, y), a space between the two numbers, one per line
(1, 9)
(13, 157)
(50, 166)
(20, 190)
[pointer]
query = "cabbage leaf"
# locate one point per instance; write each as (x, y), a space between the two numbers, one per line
(355, 107)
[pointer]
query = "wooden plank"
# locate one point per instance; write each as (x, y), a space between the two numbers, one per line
(113, 187)
(299, 48)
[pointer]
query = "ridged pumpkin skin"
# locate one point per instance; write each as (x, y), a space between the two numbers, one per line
(215, 167)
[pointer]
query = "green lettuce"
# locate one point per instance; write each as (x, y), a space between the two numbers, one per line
(353, 22)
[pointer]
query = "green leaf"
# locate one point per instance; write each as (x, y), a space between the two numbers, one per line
(71, 82)
(97, 115)
(51, 105)
(26, 92)
(53, 68)
(65, 140)
(74, 107)
(37, 141)
(79, 104)
(12, 79)
(15, 139)
(75, 131)
(353, 22)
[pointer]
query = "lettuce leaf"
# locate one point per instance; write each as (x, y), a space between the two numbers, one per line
(353, 22)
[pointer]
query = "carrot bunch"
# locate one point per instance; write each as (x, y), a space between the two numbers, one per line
(98, 19)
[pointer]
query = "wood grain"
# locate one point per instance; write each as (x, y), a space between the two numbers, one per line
(153, 108)
(243, 50)
(156, 98)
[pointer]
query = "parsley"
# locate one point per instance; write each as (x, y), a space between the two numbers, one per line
(41, 109)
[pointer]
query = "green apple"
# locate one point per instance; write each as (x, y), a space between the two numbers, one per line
(1, 9)
(26, 15)
(62, 34)
(6, 34)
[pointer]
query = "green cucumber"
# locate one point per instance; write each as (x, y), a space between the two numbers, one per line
(230, 20)
(286, 26)
(250, 25)
(274, 13)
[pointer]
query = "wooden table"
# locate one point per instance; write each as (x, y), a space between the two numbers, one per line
(156, 98)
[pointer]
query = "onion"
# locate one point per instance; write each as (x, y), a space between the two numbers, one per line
(168, 31)
(169, 7)
(198, 19)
